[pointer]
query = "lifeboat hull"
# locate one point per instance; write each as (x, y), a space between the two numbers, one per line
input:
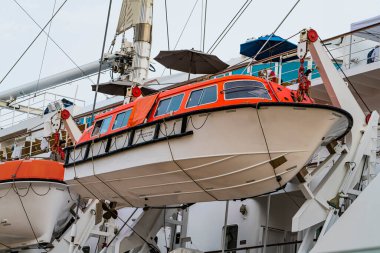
(31, 207)
(228, 153)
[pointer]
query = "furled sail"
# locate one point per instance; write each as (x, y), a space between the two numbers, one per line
(129, 15)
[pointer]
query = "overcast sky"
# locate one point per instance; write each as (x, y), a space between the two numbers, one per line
(79, 30)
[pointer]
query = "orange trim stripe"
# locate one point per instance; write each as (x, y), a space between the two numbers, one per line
(31, 169)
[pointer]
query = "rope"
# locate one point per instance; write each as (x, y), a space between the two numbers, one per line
(229, 26)
(270, 158)
(125, 222)
(346, 77)
(44, 53)
(6, 246)
(204, 122)
(69, 192)
(26, 213)
(173, 130)
(121, 228)
(55, 43)
(95, 175)
(275, 30)
(17, 191)
(22, 204)
(40, 194)
(101, 60)
(77, 179)
(34, 40)
(183, 170)
(6, 192)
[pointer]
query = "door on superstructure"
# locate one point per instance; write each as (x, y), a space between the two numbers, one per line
(231, 237)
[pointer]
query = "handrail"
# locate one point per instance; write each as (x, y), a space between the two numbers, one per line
(288, 53)
(351, 32)
(256, 247)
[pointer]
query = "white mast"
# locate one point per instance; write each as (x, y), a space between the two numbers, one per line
(139, 15)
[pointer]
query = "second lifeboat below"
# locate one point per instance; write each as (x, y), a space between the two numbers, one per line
(228, 138)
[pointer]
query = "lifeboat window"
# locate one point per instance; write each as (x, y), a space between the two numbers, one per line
(169, 105)
(202, 96)
(121, 119)
(101, 126)
(245, 89)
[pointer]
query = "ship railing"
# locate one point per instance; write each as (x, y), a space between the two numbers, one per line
(27, 146)
(27, 107)
(349, 50)
(274, 247)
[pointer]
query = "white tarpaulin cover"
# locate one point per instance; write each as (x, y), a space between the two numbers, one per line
(372, 33)
(129, 15)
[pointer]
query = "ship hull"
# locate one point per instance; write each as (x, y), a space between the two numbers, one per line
(229, 153)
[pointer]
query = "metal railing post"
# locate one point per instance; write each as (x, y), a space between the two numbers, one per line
(349, 52)
(31, 145)
(266, 225)
(13, 115)
(279, 70)
(225, 228)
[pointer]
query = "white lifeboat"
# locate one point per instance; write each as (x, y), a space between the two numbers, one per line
(228, 138)
(33, 200)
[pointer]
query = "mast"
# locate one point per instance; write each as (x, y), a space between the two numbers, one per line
(137, 14)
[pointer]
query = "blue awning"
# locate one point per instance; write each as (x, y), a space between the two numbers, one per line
(250, 48)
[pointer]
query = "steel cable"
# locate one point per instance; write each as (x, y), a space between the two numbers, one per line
(182, 31)
(229, 26)
(34, 40)
(44, 53)
(101, 59)
(55, 43)
(271, 35)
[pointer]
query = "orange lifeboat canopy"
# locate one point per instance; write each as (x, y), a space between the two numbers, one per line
(23, 170)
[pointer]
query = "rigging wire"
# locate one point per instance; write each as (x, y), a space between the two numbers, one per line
(347, 79)
(201, 37)
(183, 29)
(44, 53)
(118, 217)
(187, 22)
(54, 42)
(270, 48)
(34, 40)
(101, 59)
(271, 35)
(121, 228)
(167, 28)
(204, 27)
(229, 26)
(152, 247)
